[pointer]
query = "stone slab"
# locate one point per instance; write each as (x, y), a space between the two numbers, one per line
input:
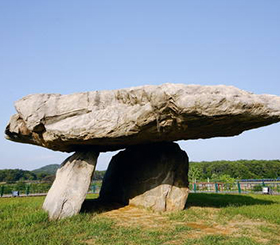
(116, 119)
(71, 185)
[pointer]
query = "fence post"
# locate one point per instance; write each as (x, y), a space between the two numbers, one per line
(216, 188)
(194, 187)
(2, 190)
(239, 187)
(27, 190)
(93, 188)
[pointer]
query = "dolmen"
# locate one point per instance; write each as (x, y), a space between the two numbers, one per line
(151, 171)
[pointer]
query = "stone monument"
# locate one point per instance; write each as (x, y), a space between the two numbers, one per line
(145, 121)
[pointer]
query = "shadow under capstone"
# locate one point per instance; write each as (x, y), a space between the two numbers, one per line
(223, 200)
(97, 206)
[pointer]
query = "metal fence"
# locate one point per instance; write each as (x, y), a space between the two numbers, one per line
(244, 186)
(33, 190)
(255, 186)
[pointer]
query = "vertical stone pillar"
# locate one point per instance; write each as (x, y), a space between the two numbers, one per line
(71, 184)
(153, 176)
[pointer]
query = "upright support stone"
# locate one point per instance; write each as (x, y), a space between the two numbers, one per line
(153, 176)
(71, 184)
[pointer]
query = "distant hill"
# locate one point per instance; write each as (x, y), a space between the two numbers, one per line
(51, 170)
(48, 169)
(46, 173)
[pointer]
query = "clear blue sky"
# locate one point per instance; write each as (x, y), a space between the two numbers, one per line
(70, 46)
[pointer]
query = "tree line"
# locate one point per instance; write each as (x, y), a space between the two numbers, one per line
(13, 175)
(214, 170)
(241, 169)
(10, 175)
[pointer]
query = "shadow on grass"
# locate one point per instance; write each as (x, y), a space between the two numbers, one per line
(96, 206)
(223, 200)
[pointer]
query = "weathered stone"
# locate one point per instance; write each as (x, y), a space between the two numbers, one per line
(152, 176)
(71, 184)
(110, 120)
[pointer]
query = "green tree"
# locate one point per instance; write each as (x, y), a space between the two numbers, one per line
(194, 173)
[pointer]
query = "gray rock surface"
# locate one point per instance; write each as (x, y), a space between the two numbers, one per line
(71, 185)
(115, 119)
(153, 176)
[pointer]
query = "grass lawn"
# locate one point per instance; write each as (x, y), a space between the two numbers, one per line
(219, 219)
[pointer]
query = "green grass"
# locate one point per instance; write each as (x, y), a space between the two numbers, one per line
(22, 221)
(262, 207)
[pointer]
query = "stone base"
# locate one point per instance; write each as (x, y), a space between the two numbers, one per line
(71, 185)
(152, 176)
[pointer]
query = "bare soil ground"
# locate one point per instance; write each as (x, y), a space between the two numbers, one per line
(210, 223)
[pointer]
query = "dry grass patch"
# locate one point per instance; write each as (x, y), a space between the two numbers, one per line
(195, 223)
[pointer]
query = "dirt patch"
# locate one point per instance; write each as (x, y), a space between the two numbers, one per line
(90, 242)
(208, 224)
(137, 217)
(204, 221)
(131, 216)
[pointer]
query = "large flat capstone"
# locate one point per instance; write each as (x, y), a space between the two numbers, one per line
(115, 119)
